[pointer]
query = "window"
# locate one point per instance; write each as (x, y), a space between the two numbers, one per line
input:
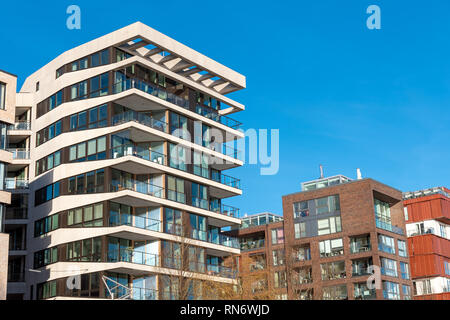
(277, 236)
(199, 196)
(78, 90)
(2, 96)
(92, 118)
(50, 103)
(84, 250)
(45, 257)
(46, 194)
(201, 167)
(447, 267)
(175, 189)
(87, 216)
(335, 293)
(198, 227)
(173, 222)
(121, 55)
(386, 244)
(46, 290)
(391, 290)
(90, 182)
(406, 292)
(404, 269)
(333, 270)
(405, 211)
(178, 126)
(301, 209)
(388, 267)
(280, 279)
(278, 257)
(46, 225)
(302, 253)
(49, 133)
(382, 211)
(329, 225)
(99, 86)
(177, 156)
(331, 248)
(300, 230)
(37, 86)
(402, 248)
(443, 230)
(94, 149)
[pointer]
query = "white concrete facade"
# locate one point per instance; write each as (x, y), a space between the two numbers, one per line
(198, 75)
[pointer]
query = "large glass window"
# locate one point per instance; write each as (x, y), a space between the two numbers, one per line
(278, 257)
(175, 189)
(404, 269)
(173, 221)
(300, 230)
(333, 270)
(388, 267)
(277, 236)
(391, 290)
(201, 167)
(331, 248)
(382, 211)
(335, 293)
(198, 227)
(386, 244)
(88, 216)
(329, 225)
(402, 248)
(178, 126)
(199, 196)
(177, 156)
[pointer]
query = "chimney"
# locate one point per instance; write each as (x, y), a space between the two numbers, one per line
(358, 174)
(321, 171)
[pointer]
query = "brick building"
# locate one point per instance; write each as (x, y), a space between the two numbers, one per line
(332, 232)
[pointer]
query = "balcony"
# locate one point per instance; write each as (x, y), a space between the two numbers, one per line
(126, 219)
(139, 118)
(224, 209)
(20, 125)
(141, 153)
(16, 213)
(360, 244)
(226, 180)
(365, 294)
(20, 154)
(13, 183)
(16, 277)
(413, 233)
(143, 294)
(138, 186)
(252, 245)
(133, 83)
(388, 227)
(220, 271)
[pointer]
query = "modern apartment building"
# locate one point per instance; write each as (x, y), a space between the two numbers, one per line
(262, 261)
(119, 191)
(335, 230)
(428, 228)
(7, 107)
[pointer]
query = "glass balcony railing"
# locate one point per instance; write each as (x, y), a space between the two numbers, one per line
(13, 183)
(133, 256)
(226, 180)
(388, 227)
(138, 186)
(20, 125)
(224, 209)
(121, 219)
(366, 294)
(139, 152)
(221, 271)
(214, 115)
(20, 154)
(360, 271)
(139, 118)
(252, 245)
(132, 83)
(143, 294)
(224, 240)
(200, 203)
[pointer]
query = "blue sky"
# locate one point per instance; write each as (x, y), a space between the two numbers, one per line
(340, 94)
